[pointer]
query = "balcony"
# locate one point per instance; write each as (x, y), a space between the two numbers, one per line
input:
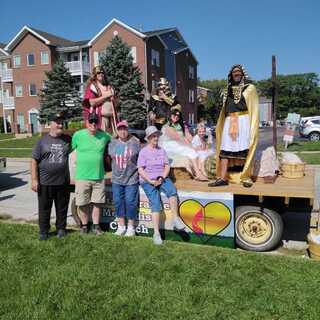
(6, 75)
(8, 103)
(74, 67)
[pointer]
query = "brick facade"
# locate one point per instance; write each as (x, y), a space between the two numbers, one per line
(145, 46)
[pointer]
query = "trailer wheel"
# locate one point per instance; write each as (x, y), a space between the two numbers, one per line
(257, 228)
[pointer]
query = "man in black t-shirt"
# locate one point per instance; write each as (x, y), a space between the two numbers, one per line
(50, 177)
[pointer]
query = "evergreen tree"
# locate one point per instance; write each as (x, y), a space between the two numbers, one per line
(60, 95)
(117, 63)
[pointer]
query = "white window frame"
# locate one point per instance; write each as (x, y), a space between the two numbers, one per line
(95, 58)
(133, 52)
(155, 58)
(16, 91)
(14, 61)
(191, 96)
(42, 53)
(191, 72)
(32, 95)
(34, 60)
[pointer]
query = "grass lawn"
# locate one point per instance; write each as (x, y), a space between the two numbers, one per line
(87, 277)
(4, 136)
(310, 158)
(14, 153)
(20, 143)
(301, 146)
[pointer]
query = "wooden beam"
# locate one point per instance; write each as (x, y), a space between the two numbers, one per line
(274, 101)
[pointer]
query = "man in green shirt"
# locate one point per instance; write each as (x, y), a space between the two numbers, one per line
(90, 145)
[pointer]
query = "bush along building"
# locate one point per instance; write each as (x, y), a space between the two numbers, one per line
(32, 52)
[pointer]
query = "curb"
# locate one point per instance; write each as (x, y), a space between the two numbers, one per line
(18, 160)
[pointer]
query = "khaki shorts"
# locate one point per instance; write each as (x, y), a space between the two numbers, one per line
(90, 191)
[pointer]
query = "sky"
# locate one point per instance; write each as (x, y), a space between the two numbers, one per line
(219, 33)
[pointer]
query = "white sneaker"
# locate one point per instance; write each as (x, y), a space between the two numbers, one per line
(157, 239)
(131, 232)
(178, 224)
(120, 231)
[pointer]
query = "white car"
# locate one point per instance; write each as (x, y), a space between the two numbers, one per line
(310, 128)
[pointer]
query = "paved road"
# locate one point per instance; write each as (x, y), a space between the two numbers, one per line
(16, 197)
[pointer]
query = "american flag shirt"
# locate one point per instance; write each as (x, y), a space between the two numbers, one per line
(124, 161)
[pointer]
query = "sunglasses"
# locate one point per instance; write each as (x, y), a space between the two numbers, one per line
(176, 114)
(93, 121)
(100, 72)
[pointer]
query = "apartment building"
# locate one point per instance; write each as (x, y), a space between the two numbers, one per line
(24, 60)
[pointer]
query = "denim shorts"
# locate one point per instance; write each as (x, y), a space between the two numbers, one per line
(126, 200)
(153, 193)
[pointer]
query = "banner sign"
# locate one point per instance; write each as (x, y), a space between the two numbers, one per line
(208, 217)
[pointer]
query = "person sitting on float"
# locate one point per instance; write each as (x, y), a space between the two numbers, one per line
(176, 140)
(153, 167)
(200, 144)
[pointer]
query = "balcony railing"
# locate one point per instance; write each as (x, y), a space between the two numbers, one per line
(8, 103)
(75, 67)
(6, 75)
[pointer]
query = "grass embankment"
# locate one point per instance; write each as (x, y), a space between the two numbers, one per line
(4, 136)
(302, 148)
(11, 148)
(87, 277)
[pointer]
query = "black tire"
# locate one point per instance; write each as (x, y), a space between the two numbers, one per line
(314, 136)
(257, 228)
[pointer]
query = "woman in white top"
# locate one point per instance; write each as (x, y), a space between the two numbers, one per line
(176, 140)
(200, 144)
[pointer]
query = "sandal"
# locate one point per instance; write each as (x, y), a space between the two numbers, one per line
(218, 183)
(247, 183)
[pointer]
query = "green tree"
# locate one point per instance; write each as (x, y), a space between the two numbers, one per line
(125, 78)
(59, 95)
(299, 93)
(213, 103)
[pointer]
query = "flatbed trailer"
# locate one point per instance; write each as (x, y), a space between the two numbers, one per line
(255, 213)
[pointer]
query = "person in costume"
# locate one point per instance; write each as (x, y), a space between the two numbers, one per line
(176, 141)
(162, 100)
(99, 98)
(237, 130)
(201, 145)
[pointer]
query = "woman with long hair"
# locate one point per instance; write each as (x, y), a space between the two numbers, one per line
(99, 98)
(176, 140)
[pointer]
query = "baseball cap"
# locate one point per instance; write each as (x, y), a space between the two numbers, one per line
(122, 123)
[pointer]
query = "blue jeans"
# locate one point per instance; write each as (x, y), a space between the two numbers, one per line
(153, 193)
(126, 200)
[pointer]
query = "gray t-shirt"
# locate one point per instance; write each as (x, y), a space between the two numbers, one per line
(51, 153)
(124, 161)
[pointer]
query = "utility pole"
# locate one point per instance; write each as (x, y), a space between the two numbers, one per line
(274, 101)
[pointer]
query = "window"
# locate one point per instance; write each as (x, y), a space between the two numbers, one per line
(30, 59)
(133, 52)
(16, 61)
(19, 90)
(96, 58)
(20, 121)
(32, 90)
(155, 58)
(191, 96)
(44, 57)
(191, 72)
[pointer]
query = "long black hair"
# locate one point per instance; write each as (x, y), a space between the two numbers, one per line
(180, 121)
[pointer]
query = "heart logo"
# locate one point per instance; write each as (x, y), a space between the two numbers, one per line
(205, 221)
